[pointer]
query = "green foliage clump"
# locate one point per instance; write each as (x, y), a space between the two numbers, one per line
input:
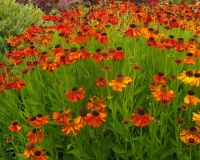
(14, 19)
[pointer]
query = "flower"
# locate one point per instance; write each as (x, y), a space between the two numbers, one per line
(72, 126)
(17, 83)
(196, 118)
(104, 39)
(15, 127)
(30, 150)
(180, 121)
(101, 81)
(81, 118)
(189, 59)
(120, 82)
(186, 76)
(76, 94)
(162, 93)
(132, 31)
(159, 78)
(61, 117)
(190, 136)
(96, 118)
(95, 102)
(191, 98)
(141, 119)
(38, 121)
(35, 136)
(118, 54)
(195, 81)
(39, 155)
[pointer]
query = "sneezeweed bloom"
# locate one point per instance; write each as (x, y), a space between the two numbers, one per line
(75, 95)
(196, 118)
(191, 98)
(160, 78)
(35, 136)
(15, 126)
(62, 116)
(38, 121)
(180, 121)
(17, 83)
(162, 92)
(39, 155)
(190, 136)
(189, 59)
(118, 54)
(30, 150)
(186, 76)
(95, 102)
(81, 118)
(96, 118)
(184, 106)
(179, 45)
(104, 39)
(101, 81)
(120, 82)
(48, 63)
(195, 81)
(72, 126)
(132, 31)
(141, 119)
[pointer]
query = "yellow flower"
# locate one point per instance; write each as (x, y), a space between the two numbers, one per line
(196, 118)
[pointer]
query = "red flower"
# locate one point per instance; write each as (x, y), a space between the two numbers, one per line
(62, 116)
(132, 31)
(101, 81)
(75, 95)
(141, 119)
(15, 127)
(35, 136)
(159, 78)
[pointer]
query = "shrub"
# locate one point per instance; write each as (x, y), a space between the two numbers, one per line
(14, 18)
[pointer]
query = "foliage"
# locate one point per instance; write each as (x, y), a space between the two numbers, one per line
(14, 18)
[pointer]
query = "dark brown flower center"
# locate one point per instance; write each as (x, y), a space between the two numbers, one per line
(119, 48)
(39, 116)
(190, 92)
(193, 129)
(15, 123)
(160, 74)
(163, 88)
(180, 120)
(119, 77)
(38, 153)
(74, 89)
(111, 49)
(191, 140)
(189, 73)
(73, 49)
(141, 112)
(34, 130)
(33, 118)
(132, 25)
(82, 112)
(197, 75)
(101, 78)
(95, 113)
(189, 54)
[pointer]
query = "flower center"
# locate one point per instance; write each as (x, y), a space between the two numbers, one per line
(95, 113)
(61, 113)
(192, 130)
(197, 75)
(37, 153)
(141, 112)
(82, 112)
(33, 118)
(71, 122)
(119, 77)
(163, 88)
(189, 54)
(74, 89)
(190, 92)
(160, 74)
(39, 116)
(49, 60)
(30, 146)
(191, 140)
(15, 123)
(189, 73)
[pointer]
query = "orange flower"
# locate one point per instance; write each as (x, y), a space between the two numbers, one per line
(17, 83)
(151, 42)
(81, 118)
(118, 54)
(96, 118)
(120, 82)
(132, 31)
(15, 127)
(83, 53)
(190, 136)
(196, 118)
(104, 39)
(179, 45)
(39, 155)
(95, 102)
(35, 136)
(76, 94)
(97, 57)
(48, 63)
(30, 150)
(141, 119)
(189, 59)
(159, 78)
(38, 121)
(72, 126)
(80, 38)
(191, 98)
(186, 76)
(162, 93)
(61, 117)
(101, 81)
(195, 81)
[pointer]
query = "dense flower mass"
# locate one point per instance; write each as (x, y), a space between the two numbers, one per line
(112, 52)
